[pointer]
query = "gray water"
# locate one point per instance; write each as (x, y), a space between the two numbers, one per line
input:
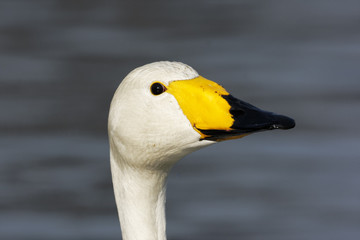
(61, 61)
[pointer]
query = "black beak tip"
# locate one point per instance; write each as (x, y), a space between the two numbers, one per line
(283, 122)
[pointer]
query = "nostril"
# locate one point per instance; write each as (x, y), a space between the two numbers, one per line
(237, 112)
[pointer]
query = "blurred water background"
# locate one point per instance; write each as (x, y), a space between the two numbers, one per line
(61, 61)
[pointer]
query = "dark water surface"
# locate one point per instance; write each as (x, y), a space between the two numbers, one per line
(61, 61)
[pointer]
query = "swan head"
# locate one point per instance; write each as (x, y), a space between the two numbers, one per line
(162, 111)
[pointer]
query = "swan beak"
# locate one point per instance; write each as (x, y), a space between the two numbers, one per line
(217, 116)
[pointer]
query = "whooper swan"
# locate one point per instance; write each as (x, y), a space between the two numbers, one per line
(161, 112)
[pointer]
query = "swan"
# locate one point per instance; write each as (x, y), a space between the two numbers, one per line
(161, 112)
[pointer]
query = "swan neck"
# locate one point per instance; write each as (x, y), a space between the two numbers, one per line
(140, 199)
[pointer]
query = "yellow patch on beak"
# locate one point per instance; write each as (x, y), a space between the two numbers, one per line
(202, 103)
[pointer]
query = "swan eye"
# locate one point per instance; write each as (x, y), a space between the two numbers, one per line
(157, 88)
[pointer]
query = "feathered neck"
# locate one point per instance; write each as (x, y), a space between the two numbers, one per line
(140, 198)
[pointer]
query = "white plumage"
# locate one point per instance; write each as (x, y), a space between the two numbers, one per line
(148, 133)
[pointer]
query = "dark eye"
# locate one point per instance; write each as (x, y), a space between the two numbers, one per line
(157, 88)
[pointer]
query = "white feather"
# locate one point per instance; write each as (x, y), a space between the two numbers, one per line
(147, 135)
